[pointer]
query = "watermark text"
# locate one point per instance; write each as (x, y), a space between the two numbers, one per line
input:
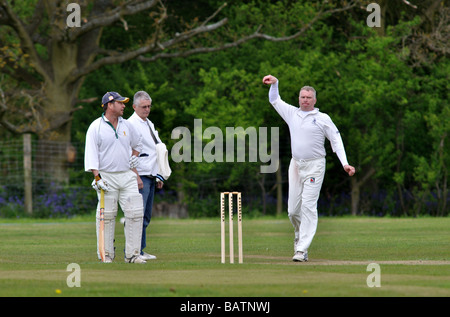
(74, 18)
(224, 148)
(74, 278)
(374, 19)
(374, 278)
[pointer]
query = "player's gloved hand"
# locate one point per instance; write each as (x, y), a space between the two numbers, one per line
(134, 161)
(100, 184)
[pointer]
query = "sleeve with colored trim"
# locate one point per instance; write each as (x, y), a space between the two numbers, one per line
(91, 152)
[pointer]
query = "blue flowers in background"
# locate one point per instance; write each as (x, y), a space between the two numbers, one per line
(59, 202)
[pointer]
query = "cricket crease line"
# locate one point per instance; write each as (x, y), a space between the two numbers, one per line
(287, 260)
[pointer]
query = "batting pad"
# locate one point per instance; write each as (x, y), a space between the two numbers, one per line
(133, 210)
(110, 214)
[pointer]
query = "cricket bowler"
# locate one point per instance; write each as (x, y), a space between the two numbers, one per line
(308, 128)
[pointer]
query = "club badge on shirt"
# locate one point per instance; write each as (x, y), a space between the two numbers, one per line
(312, 180)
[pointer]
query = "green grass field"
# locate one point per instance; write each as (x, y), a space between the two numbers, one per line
(413, 254)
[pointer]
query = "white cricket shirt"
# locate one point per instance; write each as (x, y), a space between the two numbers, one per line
(108, 149)
(308, 130)
(148, 164)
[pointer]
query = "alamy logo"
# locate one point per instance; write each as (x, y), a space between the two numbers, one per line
(374, 19)
(74, 18)
(374, 278)
(74, 278)
(220, 146)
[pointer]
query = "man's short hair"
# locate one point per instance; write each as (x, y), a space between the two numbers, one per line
(141, 95)
(308, 88)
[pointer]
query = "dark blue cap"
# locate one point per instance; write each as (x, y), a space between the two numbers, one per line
(113, 96)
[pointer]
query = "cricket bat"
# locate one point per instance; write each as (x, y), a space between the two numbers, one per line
(101, 232)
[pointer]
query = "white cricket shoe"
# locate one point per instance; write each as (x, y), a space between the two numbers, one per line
(135, 259)
(108, 259)
(147, 257)
(300, 256)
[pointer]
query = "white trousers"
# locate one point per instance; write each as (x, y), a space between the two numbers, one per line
(305, 181)
(123, 189)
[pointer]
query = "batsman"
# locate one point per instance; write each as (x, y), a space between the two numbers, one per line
(308, 128)
(109, 141)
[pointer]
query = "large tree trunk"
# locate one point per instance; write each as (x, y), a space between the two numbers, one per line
(53, 152)
(52, 158)
(357, 184)
(355, 194)
(279, 189)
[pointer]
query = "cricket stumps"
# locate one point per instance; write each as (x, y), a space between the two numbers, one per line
(231, 196)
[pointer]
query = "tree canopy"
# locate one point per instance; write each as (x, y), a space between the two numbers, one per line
(385, 88)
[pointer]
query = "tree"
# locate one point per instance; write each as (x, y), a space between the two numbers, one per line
(44, 61)
(431, 169)
(230, 104)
